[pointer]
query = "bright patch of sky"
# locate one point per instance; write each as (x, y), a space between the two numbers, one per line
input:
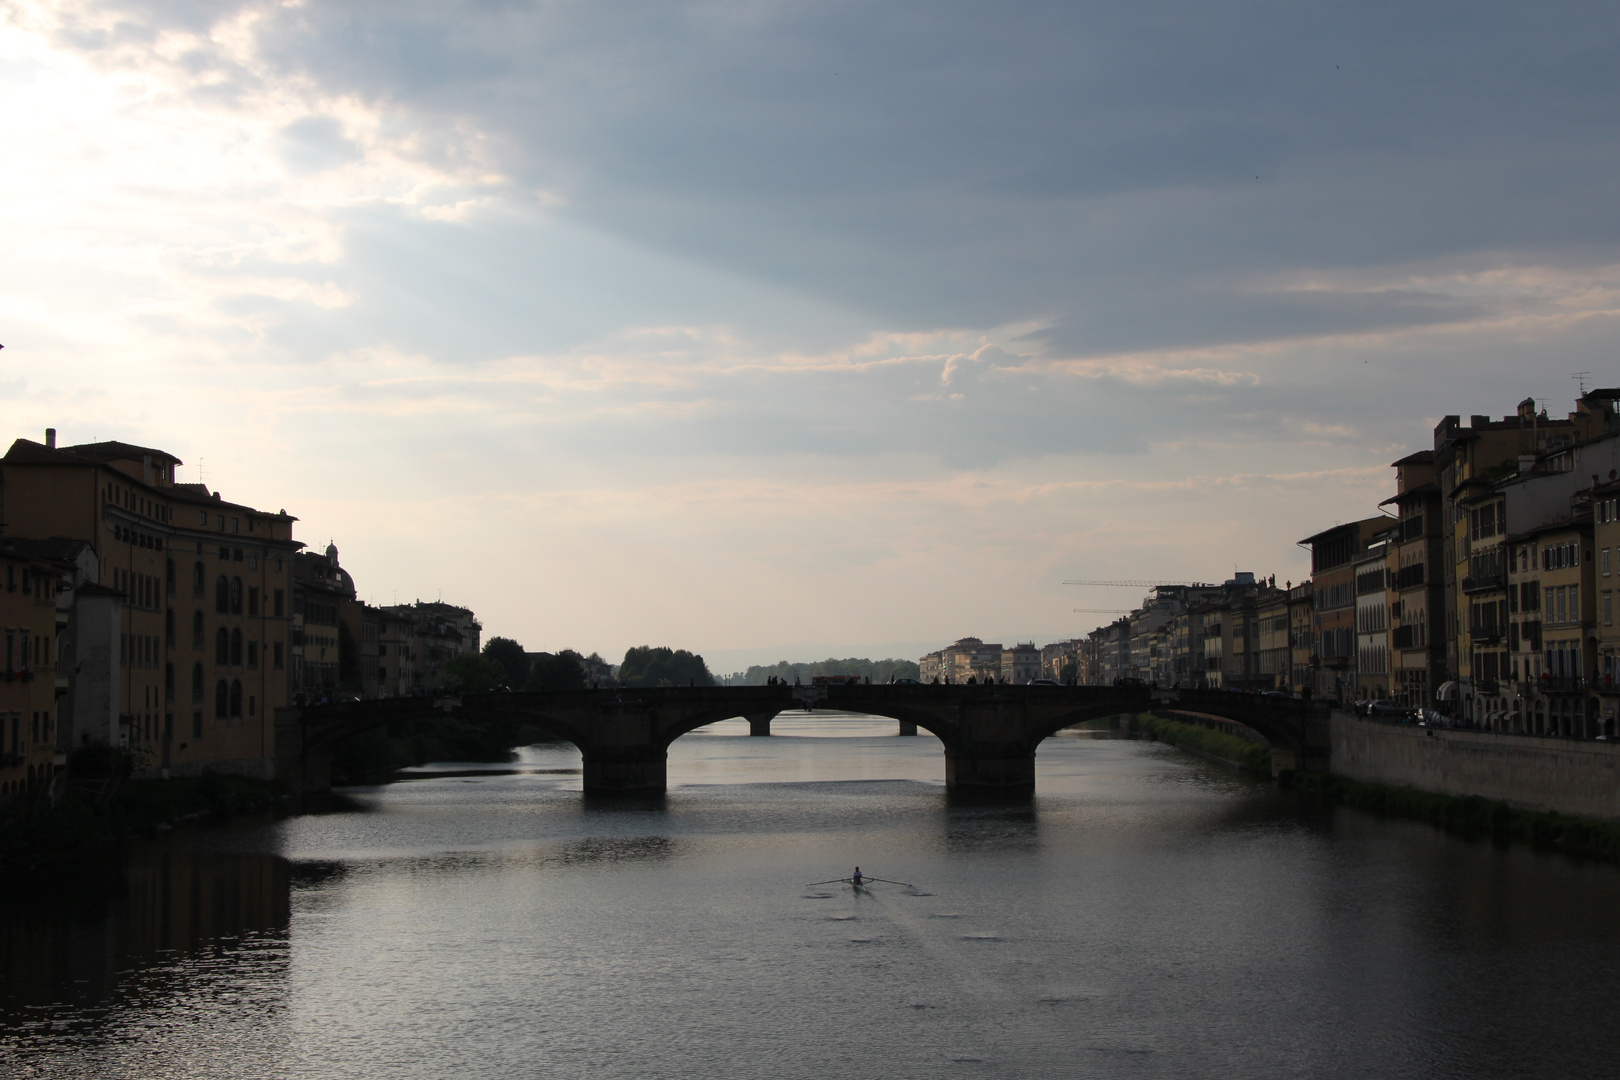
(730, 325)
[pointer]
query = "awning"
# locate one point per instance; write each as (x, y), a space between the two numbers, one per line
(1447, 692)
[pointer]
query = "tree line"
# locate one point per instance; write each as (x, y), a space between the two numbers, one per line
(879, 671)
(505, 664)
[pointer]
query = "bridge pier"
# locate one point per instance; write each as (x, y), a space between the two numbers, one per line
(626, 773)
(998, 774)
(760, 723)
(907, 728)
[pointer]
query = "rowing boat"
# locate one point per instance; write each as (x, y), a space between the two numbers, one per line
(858, 886)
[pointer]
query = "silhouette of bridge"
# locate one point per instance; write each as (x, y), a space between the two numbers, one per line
(990, 732)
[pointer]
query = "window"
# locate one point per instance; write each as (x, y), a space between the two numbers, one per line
(236, 524)
(222, 595)
(253, 654)
(278, 603)
(1605, 562)
(168, 683)
(197, 632)
(222, 647)
(222, 700)
(196, 684)
(277, 654)
(169, 577)
(252, 704)
(236, 698)
(203, 519)
(196, 724)
(236, 648)
(236, 596)
(1608, 610)
(197, 577)
(253, 600)
(168, 627)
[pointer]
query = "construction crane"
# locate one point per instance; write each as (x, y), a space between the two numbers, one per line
(1144, 584)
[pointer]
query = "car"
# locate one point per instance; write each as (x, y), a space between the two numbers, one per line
(1276, 693)
(904, 682)
(1384, 708)
(1044, 682)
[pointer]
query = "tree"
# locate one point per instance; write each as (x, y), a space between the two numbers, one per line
(645, 665)
(514, 662)
(470, 673)
(556, 671)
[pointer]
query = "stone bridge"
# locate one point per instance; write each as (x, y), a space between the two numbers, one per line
(990, 733)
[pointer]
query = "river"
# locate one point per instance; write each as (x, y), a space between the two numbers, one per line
(1149, 915)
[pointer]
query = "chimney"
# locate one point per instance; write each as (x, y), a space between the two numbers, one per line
(50, 438)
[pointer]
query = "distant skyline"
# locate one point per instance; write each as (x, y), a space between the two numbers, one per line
(724, 325)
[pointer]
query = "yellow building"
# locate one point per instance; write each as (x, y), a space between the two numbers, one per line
(196, 661)
(1605, 509)
(1559, 561)
(28, 719)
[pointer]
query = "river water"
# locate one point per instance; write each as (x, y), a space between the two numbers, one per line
(1150, 915)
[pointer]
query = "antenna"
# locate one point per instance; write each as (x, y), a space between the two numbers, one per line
(1580, 378)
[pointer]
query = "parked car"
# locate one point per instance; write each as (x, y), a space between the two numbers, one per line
(1043, 682)
(1386, 709)
(905, 682)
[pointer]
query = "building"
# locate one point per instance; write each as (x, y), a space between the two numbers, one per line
(202, 629)
(1417, 595)
(1301, 639)
(1371, 572)
(1021, 664)
(1274, 656)
(28, 702)
(1604, 502)
(416, 641)
(1334, 553)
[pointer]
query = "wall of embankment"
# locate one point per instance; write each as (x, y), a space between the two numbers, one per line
(1565, 776)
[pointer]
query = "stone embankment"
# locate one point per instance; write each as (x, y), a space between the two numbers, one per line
(1577, 777)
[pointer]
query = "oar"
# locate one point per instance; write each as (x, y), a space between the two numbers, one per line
(886, 881)
(830, 881)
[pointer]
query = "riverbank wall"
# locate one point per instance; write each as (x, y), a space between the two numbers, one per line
(1563, 776)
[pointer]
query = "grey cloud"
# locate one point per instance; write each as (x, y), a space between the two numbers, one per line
(316, 143)
(1122, 172)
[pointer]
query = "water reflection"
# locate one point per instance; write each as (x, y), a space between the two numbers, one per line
(167, 926)
(1146, 915)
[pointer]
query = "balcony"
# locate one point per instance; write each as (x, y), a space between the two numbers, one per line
(1486, 635)
(1473, 583)
(1561, 684)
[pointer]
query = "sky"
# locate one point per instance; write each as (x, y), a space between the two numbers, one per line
(779, 330)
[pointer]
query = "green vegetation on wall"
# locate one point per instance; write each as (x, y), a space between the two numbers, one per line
(1251, 757)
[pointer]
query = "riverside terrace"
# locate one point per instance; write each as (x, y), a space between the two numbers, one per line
(990, 732)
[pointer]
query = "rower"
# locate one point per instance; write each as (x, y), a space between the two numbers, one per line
(856, 880)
